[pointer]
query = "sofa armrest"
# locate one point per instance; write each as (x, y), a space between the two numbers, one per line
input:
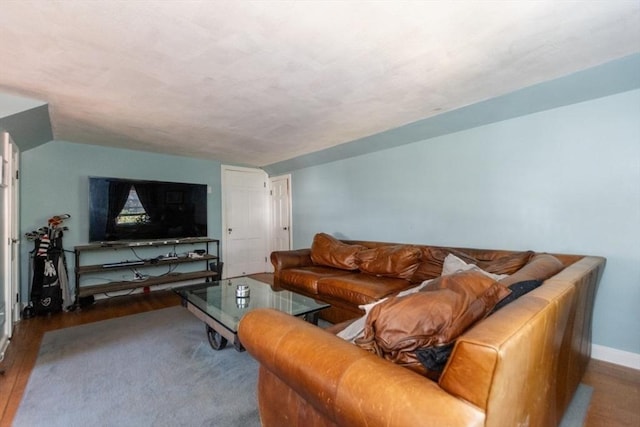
(291, 259)
(343, 383)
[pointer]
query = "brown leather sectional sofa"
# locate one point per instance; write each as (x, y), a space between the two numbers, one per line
(520, 366)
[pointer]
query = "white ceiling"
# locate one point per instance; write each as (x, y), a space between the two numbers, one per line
(258, 82)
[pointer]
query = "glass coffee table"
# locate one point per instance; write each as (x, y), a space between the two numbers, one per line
(219, 305)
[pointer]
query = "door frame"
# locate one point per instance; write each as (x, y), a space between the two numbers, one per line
(15, 232)
(9, 170)
(287, 177)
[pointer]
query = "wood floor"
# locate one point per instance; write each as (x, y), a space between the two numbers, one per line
(615, 402)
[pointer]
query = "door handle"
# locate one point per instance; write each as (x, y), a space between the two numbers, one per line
(229, 230)
(285, 228)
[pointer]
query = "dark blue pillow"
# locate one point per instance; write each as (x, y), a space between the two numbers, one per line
(434, 358)
(517, 290)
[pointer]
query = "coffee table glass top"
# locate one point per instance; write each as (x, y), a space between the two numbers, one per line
(219, 301)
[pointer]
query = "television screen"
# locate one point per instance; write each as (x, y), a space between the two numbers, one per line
(125, 209)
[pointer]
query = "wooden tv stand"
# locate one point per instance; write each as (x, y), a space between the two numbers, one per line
(144, 263)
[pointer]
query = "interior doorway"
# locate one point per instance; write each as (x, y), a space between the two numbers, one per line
(9, 258)
(280, 227)
(245, 221)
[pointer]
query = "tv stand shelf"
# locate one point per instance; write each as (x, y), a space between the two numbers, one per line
(148, 263)
(101, 267)
(132, 284)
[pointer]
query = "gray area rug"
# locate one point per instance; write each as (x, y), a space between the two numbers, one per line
(149, 369)
(577, 411)
(153, 369)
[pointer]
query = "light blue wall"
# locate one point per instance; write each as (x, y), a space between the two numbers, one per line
(562, 180)
(54, 180)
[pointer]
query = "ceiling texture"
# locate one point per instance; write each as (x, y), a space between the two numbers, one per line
(260, 82)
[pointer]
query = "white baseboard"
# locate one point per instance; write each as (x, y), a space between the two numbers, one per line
(4, 343)
(613, 355)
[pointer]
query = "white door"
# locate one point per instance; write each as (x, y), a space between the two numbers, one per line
(9, 264)
(245, 214)
(280, 232)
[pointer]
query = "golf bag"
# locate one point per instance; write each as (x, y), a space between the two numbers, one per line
(50, 291)
(46, 292)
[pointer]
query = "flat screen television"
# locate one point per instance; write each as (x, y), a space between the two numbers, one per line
(134, 210)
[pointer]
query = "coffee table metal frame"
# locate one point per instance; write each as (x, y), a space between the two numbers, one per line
(216, 304)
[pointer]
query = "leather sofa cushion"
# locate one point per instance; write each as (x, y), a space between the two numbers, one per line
(452, 265)
(360, 288)
(331, 252)
(399, 326)
(432, 261)
(399, 261)
(289, 259)
(466, 281)
(541, 267)
(493, 262)
(306, 279)
(506, 264)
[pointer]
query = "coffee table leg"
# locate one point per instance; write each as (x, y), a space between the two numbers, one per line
(217, 341)
(312, 317)
(237, 345)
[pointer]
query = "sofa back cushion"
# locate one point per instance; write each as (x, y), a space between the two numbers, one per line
(432, 261)
(331, 252)
(398, 261)
(399, 326)
(505, 264)
(491, 262)
(540, 267)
